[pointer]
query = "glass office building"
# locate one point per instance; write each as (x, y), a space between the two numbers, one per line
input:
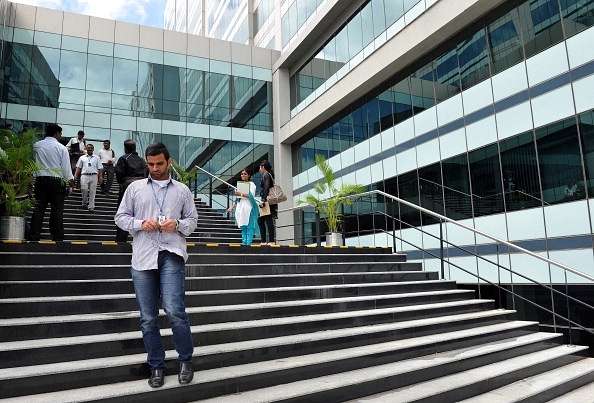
(479, 110)
(118, 81)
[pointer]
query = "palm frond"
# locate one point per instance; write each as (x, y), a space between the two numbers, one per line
(330, 198)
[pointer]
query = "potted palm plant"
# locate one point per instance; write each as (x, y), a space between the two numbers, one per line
(183, 176)
(17, 165)
(330, 199)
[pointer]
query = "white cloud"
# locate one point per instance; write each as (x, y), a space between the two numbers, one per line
(144, 12)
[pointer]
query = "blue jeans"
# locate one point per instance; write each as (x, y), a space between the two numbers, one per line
(166, 283)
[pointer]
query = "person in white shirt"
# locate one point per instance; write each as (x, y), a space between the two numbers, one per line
(90, 171)
(51, 185)
(108, 159)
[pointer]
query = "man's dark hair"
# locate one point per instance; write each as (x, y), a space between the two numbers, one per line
(129, 146)
(81, 132)
(156, 149)
(51, 130)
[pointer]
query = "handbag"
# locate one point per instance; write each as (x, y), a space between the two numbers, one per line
(275, 194)
(264, 210)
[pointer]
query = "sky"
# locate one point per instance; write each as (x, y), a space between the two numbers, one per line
(142, 12)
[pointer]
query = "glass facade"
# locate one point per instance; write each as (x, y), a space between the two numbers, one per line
(495, 121)
(372, 20)
(210, 113)
(295, 17)
(500, 41)
(534, 169)
(491, 127)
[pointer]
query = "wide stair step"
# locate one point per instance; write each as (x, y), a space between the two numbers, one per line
(270, 324)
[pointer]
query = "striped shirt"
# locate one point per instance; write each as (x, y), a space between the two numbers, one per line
(145, 199)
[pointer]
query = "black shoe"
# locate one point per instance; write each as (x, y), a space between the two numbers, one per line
(186, 372)
(157, 378)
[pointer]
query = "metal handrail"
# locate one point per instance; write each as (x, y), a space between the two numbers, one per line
(484, 234)
(553, 290)
(474, 195)
(511, 246)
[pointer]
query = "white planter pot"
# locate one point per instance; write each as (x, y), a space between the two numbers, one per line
(333, 239)
(12, 228)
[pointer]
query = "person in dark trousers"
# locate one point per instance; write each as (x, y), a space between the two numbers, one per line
(77, 147)
(129, 168)
(160, 213)
(266, 223)
(51, 185)
(108, 160)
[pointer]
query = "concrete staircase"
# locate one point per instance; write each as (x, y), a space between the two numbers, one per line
(98, 226)
(271, 323)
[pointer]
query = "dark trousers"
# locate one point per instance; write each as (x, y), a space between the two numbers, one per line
(266, 225)
(48, 190)
(108, 172)
(121, 235)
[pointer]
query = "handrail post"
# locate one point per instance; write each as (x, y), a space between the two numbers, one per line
(318, 236)
(568, 311)
(393, 235)
(343, 226)
(210, 191)
(441, 249)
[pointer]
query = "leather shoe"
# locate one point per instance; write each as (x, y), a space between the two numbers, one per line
(186, 372)
(157, 378)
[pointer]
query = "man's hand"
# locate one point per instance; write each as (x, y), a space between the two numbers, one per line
(150, 225)
(169, 225)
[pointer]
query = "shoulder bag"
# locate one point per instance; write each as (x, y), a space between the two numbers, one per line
(275, 194)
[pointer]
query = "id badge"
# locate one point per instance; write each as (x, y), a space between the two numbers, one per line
(161, 219)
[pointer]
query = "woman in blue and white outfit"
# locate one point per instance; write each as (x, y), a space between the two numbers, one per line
(246, 210)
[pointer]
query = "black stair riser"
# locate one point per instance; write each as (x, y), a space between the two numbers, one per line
(112, 268)
(499, 380)
(370, 318)
(130, 323)
(215, 283)
(62, 353)
(124, 286)
(202, 362)
(241, 269)
(74, 306)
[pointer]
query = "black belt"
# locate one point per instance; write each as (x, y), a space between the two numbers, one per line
(91, 174)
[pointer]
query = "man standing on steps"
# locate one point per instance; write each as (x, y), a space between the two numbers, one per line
(129, 168)
(51, 185)
(89, 170)
(108, 160)
(159, 212)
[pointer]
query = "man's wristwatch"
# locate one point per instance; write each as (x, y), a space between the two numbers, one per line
(176, 224)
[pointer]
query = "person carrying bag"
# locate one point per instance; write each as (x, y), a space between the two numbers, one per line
(266, 221)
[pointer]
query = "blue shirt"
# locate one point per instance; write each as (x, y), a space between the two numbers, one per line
(49, 153)
(145, 199)
(89, 164)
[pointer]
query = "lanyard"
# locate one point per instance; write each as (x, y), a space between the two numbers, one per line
(160, 205)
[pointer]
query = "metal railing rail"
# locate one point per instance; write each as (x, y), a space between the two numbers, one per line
(474, 195)
(497, 285)
(511, 247)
